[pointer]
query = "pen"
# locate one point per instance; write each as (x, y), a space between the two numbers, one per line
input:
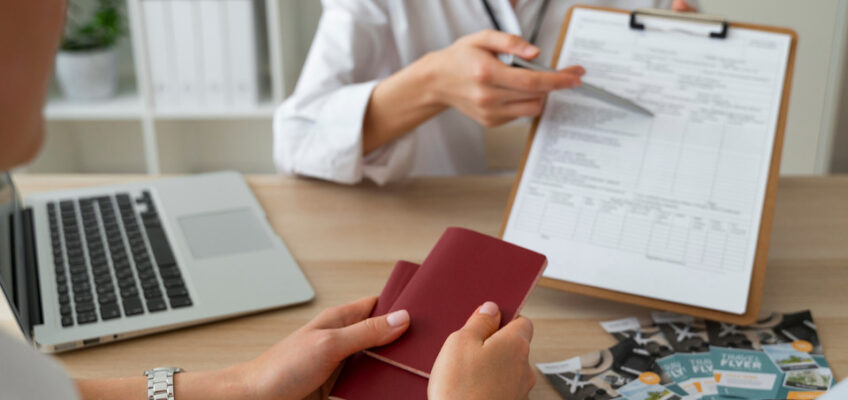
(586, 88)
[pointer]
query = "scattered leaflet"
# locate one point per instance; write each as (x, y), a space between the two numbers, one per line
(677, 357)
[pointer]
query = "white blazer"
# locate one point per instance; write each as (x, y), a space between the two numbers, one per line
(318, 130)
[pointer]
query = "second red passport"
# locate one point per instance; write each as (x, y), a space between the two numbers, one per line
(364, 377)
(463, 270)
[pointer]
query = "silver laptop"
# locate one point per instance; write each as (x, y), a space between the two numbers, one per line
(88, 266)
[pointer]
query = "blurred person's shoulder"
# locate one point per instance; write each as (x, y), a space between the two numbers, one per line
(27, 374)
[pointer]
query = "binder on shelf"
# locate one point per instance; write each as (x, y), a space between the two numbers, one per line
(188, 52)
(599, 191)
(212, 20)
(242, 48)
(203, 54)
(157, 23)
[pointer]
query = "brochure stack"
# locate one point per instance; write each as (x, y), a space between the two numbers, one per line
(677, 357)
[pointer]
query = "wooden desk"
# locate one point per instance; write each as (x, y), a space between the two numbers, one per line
(346, 239)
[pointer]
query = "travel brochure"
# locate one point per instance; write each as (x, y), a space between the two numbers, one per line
(778, 357)
(677, 357)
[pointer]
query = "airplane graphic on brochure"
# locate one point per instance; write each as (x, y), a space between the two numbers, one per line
(684, 332)
(573, 384)
(729, 329)
(639, 337)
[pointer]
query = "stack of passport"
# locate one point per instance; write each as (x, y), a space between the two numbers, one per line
(464, 270)
(672, 357)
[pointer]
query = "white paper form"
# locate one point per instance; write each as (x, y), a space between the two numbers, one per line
(667, 207)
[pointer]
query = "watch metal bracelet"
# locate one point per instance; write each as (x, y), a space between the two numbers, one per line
(160, 383)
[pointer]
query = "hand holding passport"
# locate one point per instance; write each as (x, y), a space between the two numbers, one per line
(481, 361)
(464, 270)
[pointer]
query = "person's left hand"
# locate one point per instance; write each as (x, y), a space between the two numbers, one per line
(301, 365)
(682, 6)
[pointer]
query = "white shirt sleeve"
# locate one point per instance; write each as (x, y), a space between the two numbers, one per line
(318, 130)
(838, 392)
(26, 374)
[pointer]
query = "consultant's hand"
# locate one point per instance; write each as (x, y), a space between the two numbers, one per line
(469, 76)
(481, 362)
(682, 6)
(301, 365)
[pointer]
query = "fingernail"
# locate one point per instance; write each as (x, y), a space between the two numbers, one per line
(489, 308)
(398, 318)
(529, 51)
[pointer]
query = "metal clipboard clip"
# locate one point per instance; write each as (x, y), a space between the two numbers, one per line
(699, 18)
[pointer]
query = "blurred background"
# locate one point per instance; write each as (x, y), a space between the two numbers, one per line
(182, 86)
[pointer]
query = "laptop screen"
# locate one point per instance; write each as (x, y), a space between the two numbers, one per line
(10, 236)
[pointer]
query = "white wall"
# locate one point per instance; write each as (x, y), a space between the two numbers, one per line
(812, 144)
(91, 147)
(817, 126)
(302, 20)
(819, 67)
(839, 161)
(818, 107)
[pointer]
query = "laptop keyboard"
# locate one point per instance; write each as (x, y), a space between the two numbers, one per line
(112, 261)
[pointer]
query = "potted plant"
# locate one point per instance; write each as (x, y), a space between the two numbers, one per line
(87, 63)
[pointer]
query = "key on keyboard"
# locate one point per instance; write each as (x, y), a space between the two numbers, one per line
(107, 280)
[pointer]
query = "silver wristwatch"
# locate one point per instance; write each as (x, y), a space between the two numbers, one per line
(160, 383)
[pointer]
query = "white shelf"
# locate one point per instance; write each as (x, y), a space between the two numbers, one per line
(125, 105)
(136, 102)
(265, 109)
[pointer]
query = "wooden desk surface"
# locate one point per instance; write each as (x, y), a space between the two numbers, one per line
(346, 239)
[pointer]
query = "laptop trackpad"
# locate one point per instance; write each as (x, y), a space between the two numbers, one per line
(223, 233)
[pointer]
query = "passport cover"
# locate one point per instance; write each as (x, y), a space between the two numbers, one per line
(367, 378)
(400, 276)
(463, 270)
(384, 381)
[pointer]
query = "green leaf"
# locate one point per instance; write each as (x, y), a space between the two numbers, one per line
(104, 27)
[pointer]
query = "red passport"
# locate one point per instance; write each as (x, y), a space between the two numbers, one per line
(401, 274)
(367, 378)
(463, 270)
(364, 377)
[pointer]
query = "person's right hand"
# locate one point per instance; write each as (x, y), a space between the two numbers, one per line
(481, 362)
(469, 77)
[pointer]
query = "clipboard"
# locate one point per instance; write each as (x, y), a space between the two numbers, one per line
(761, 251)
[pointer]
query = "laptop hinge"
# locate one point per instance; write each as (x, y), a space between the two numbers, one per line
(33, 290)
